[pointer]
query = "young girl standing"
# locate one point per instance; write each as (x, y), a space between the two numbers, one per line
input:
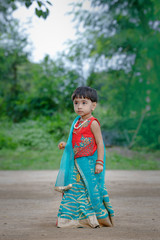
(81, 177)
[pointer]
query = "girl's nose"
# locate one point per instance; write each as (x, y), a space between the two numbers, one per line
(79, 105)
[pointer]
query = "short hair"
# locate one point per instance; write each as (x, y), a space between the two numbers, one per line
(85, 92)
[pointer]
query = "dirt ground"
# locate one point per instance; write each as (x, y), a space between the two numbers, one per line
(29, 205)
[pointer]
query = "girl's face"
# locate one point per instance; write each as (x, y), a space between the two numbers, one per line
(84, 107)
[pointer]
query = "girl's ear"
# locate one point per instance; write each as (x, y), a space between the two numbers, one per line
(94, 105)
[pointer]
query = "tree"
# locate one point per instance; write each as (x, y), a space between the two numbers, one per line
(12, 55)
(122, 37)
(52, 85)
(124, 33)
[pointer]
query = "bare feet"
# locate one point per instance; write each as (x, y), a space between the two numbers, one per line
(111, 220)
(105, 222)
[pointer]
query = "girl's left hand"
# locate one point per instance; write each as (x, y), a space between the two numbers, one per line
(98, 168)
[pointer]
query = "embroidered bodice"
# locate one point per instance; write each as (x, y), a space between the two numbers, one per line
(83, 140)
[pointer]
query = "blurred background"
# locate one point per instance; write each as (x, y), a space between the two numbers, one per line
(48, 48)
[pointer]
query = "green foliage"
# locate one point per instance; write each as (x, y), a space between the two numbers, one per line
(149, 133)
(58, 125)
(118, 130)
(25, 134)
(33, 145)
(117, 45)
(118, 38)
(35, 139)
(42, 7)
(8, 6)
(37, 89)
(29, 145)
(12, 45)
(15, 107)
(38, 134)
(117, 42)
(52, 85)
(7, 142)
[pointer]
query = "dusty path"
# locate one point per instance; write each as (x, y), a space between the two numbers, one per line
(28, 207)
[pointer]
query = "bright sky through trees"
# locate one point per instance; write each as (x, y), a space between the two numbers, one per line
(47, 36)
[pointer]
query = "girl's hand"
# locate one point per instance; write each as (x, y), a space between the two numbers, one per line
(98, 168)
(61, 145)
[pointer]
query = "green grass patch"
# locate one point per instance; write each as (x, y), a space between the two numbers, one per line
(23, 159)
(117, 161)
(30, 159)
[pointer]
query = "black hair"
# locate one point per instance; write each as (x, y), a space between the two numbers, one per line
(85, 92)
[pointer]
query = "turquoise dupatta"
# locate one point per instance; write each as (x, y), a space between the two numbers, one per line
(65, 174)
(95, 183)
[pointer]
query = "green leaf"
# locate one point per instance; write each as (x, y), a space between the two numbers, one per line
(38, 12)
(49, 3)
(28, 3)
(39, 3)
(45, 14)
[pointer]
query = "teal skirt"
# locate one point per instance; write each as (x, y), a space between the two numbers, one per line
(84, 203)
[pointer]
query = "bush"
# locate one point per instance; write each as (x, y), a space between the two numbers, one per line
(119, 130)
(7, 142)
(26, 134)
(58, 125)
(149, 132)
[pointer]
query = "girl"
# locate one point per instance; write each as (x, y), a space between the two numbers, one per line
(81, 176)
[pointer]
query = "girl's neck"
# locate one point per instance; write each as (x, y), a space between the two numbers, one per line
(86, 117)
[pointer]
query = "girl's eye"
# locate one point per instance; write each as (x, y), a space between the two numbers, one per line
(84, 103)
(75, 103)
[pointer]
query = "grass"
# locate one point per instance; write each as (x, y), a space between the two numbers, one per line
(137, 162)
(22, 159)
(30, 146)
(29, 159)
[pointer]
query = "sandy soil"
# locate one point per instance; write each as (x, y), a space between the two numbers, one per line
(29, 207)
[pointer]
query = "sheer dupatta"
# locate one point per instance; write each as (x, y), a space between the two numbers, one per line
(65, 175)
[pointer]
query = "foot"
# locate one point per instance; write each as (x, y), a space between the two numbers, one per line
(105, 222)
(111, 220)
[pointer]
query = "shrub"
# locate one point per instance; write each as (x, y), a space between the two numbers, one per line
(7, 142)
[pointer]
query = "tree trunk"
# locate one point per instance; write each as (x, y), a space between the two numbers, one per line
(137, 130)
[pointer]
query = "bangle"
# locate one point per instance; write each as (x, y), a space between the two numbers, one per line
(99, 163)
(99, 160)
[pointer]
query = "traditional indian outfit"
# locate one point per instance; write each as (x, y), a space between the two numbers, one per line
(85, 198)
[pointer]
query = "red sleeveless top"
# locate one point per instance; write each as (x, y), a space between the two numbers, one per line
(83, 140)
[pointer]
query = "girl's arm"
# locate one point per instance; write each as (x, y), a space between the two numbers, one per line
(95, 128)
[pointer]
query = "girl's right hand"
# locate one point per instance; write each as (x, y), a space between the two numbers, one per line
(61, 145)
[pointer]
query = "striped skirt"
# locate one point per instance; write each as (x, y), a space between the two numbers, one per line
(76, 208)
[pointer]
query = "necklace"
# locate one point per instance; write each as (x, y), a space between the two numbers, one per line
(81, 123)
